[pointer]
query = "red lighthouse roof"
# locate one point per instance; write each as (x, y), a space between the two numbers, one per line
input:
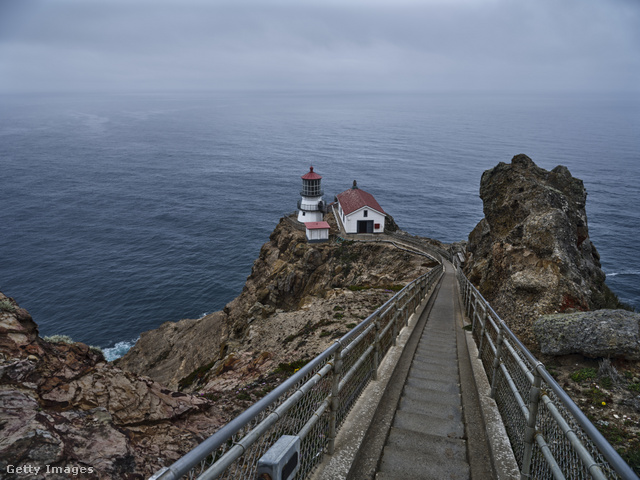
(311, 175)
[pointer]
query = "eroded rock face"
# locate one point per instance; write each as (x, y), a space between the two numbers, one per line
(65, 407)
(287, 274)
(18, 331)
(597, 334)
(531, 253)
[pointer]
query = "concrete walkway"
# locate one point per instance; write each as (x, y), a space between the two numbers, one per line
(427, 436)
(428, 424)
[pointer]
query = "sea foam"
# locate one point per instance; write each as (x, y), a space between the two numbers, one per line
(118, 350)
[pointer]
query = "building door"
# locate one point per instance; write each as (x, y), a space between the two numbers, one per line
(365, 226)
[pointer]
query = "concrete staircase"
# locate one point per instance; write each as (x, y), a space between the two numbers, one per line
(427, 436)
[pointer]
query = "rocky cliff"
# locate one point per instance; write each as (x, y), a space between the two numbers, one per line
(293, 286)
(532, 258)
(65, 407)
(531, 253)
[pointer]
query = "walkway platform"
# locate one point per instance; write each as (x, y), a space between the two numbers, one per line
(431, 427)
(427, 436)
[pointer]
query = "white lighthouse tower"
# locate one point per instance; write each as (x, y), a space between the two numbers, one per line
(311, 206)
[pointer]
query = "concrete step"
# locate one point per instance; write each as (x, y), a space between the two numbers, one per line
(417, 422)
(424, 370)
(434, 361)
(428, 395)
(445, 331)
(436, 347)
(431, 384)
(434, 374)
(409, 455)
(429, 364)
(439, 410)
(442, 384)
(438, 358)
(437, 339)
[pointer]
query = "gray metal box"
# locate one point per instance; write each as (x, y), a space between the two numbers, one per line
(282, 460)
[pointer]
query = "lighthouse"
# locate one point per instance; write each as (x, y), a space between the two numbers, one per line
(311, 206)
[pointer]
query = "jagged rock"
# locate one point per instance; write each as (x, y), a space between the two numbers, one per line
(531, 253)
(70, 409)
(601, 333)
(18, 331)
(288, 272)
(175, 349)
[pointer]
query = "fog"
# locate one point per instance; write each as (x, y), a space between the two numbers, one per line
(349, 45)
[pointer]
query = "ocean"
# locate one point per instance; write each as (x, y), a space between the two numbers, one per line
(120, 212)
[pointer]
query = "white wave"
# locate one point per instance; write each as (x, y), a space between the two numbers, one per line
(118, 350)
(615, 274)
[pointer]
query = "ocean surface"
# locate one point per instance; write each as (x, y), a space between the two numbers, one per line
(121, 212)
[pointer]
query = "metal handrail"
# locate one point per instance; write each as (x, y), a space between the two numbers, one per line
(358, 352)
(566, 423)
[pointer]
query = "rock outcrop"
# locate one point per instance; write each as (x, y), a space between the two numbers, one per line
(288, 275)
(65, 407)
(596, 334)
(531, 253)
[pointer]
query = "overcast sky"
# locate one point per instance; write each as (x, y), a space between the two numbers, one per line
(365, 45)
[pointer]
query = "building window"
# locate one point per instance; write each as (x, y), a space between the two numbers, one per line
(303, 214)
(366, 214)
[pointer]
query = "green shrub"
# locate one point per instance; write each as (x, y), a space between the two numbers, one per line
(359, 288)
(606, 382)
(7, 306)
(584, 374)
(291, 368)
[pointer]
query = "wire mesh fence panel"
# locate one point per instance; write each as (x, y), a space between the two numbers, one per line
(512, 416)
(559, 446)
(313, 447)
(352, 390)
(386, 339)
(302, 404)
(289, 423)
(566, 456)
(579, 458)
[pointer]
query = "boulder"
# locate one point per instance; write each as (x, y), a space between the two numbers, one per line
(596, 334)
(531, 253)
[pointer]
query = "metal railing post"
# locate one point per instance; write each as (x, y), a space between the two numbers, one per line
(496, 361)
(472, 310)
(335, 399)
(376, 350)
(394, 319)
(530, 429)
(483, 330)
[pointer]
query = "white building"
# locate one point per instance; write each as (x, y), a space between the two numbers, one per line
(360, 212)
(311, 206)
(317, 231)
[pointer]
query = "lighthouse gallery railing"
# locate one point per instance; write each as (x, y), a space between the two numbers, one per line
(549, 434)
(312, 403)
